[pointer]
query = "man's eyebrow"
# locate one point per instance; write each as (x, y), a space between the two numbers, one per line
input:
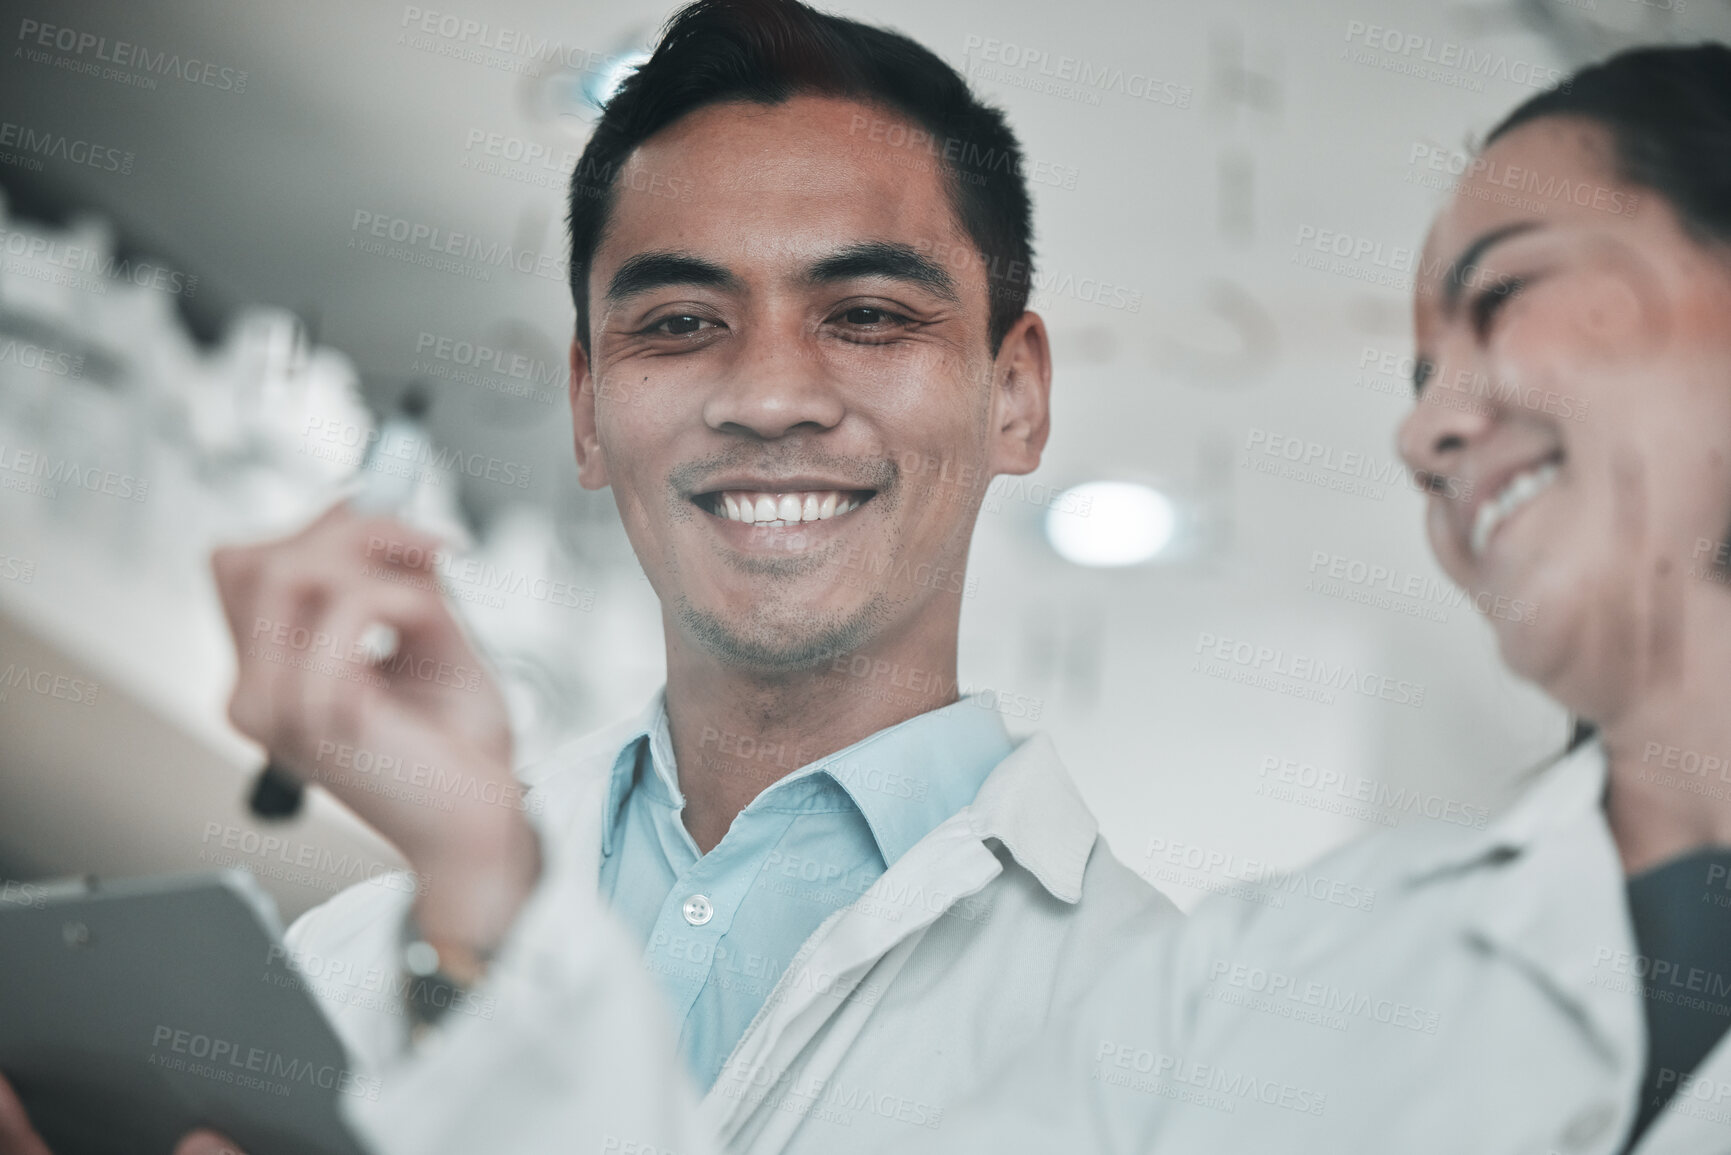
(885, 259)
(1455, 278)
(657, 270)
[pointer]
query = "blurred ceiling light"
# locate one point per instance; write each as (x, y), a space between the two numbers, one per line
(574, 96)
(604, 82)
(1111, 523)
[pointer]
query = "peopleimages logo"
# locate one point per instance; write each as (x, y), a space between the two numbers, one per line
(85, 259)
(48, 684)
(406, 455)
(494, 46)
(1393, 371)
(1337, 575)
(1274, 667)
(1451, 167)
(41, 358)
(1009, 62)
(1343, 470)
(37, 39)
(538, 376)
(227, 1061)
(34, 471)
(423, 243)
(1122, 1064)
(1444, 61)
(1373, 800)
(1348, 1002)
(33, 142)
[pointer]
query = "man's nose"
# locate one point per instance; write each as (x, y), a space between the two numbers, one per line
(776, 384)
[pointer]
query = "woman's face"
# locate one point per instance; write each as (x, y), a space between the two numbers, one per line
(1574, 412)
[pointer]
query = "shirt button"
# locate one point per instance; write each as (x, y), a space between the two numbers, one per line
(1588, 1126)
(698, 910)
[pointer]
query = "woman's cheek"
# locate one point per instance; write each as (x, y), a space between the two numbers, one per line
(1615, 318)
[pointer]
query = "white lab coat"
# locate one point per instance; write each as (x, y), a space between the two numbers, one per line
(895, 1007)
(1486, 1002)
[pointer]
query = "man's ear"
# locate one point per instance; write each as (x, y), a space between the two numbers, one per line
(1021, 396)
(591, 467)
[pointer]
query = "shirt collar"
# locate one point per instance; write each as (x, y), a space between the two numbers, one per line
(905, 779)
(910, 777)
(651, 718)
(1560, 793)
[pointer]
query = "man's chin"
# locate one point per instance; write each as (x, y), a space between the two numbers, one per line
(788, 641)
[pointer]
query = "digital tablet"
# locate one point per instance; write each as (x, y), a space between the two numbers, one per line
(133, 1012)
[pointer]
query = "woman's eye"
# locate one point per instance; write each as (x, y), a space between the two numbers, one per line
(1422, 371)
(1486, 304)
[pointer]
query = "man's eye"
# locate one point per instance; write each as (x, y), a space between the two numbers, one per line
(679, 325)
(865, 316)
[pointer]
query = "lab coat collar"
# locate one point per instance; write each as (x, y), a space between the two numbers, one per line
(1030, 804)
(1563, 792)
(1550, 895)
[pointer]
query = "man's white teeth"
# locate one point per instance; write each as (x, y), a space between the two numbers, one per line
(773, 509)
(1521, 488)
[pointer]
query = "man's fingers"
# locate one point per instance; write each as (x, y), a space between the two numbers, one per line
(17, 1136)
(282, 642)
(321, 680)
(335, 695)
(207, 1143)
(340, 542)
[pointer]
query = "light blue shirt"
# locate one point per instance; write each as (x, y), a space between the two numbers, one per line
(720, 928)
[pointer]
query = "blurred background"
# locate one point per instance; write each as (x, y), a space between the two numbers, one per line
(232, 234)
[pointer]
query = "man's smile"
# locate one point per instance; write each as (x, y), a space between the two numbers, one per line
(776, 508)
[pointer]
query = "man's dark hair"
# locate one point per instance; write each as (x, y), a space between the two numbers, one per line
(1669, 114)
(766, 51)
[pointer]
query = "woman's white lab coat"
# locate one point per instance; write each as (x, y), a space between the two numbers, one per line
(1488, 1002)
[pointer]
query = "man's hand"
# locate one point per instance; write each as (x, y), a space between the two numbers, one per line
(332, 706)
(18, 1137)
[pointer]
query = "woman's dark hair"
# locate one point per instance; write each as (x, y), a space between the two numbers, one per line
(768, 50)
(1669, 114)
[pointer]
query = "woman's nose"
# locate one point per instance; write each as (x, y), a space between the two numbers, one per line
(1445, 419)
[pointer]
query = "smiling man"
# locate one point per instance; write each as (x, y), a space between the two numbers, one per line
(800, 254)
